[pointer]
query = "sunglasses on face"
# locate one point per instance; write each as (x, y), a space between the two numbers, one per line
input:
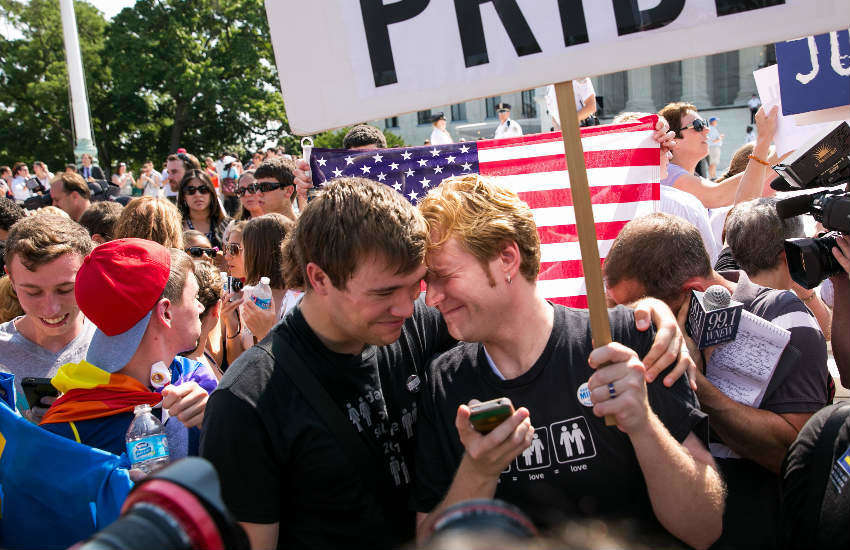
(232, 248)
(191, 189)
(267, 186)
(250, 188)
(199, 251)
(698, 125)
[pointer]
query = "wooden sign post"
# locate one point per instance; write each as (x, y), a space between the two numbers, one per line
(600, 328)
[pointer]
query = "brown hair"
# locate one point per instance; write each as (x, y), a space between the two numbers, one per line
(674, 112)
(484, 216)
(151, 218)
(281, 170)
(261, 248)
(42, 238)
(347, 221)
(10, 307)
(190, 162)
(739, 161)
(215, 212)
(181, 266)
(209, 285)
(72, 183)
(101, 218)
(659, 251)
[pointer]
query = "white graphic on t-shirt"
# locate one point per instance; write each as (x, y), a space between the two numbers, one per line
(575, 442)
(394, 428)
(536, 456)
(354, 417)
(365, 412)
(399, 470)
(407, 422)
(575, 436)
(413, 413)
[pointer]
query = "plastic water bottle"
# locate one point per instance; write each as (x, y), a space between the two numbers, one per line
(262, 294)
(147, 446)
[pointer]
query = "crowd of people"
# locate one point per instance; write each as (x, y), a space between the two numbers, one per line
(404, 317)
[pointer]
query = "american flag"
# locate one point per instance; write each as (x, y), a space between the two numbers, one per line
(623, 169)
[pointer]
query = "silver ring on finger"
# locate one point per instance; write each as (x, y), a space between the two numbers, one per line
(612, 392)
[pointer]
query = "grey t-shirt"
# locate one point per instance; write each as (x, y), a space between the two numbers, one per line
(23, 357)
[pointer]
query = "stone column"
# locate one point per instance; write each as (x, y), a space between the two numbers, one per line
(749, 59)
(640, 90)
(695, 85)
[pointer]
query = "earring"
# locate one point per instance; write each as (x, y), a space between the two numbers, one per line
(508, 278)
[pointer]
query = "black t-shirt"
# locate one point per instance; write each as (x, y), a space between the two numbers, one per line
(277, 460)
(576, 465)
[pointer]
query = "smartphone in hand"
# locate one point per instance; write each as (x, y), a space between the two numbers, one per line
(489, 414)
(37, 388)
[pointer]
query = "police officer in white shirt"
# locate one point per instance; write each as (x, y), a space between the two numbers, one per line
(507, 127)
(439, 135)
(585, 97)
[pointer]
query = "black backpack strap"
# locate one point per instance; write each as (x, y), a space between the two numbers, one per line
(321, 402)
(822, 459)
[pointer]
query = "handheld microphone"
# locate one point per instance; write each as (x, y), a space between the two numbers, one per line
(713, 317)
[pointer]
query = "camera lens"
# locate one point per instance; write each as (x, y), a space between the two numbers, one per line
(810, 261)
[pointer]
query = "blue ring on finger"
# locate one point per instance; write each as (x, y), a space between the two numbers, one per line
(611, 391)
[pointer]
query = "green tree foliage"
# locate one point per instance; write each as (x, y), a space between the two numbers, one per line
(162, 74)
(35, 120)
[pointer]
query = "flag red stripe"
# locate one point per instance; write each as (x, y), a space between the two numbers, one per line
(554, 163)
(648, 123)
(598, 195)
(578, 302)
(605, 231)
(566, 269)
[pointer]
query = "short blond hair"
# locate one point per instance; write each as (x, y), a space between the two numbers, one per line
(151, 218)
(484, 216)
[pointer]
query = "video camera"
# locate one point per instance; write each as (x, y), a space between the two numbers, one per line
(824, 161)
(179, 507)
(101, 190)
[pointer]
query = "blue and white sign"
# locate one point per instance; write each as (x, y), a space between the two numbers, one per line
(814, 72)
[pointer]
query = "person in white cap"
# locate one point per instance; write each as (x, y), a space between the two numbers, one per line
(439, 135)
(507, 127)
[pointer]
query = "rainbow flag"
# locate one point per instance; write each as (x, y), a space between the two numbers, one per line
(90, 392)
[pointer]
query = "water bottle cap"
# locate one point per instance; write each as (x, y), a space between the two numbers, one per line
(264, 280)
(142, 409)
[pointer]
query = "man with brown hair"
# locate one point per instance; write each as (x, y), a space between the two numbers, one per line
(357, 250)
(662, 256)
(43, 254)
(100, 220)
(483, 260)
(276, 179)
(142, 297)
(177, 165)
(71, 193)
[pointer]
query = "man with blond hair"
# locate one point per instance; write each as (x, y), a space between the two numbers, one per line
(483, 258)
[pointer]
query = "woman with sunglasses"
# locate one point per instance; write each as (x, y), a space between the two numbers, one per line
(198, 246)
(200, 208)
(692, 146)
(231, 323)
(248, 192)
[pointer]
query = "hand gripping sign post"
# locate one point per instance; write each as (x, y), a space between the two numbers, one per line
(375, 58)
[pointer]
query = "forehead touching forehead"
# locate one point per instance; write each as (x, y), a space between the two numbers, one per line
(483, 217)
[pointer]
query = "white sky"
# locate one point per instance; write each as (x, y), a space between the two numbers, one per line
(109, 8)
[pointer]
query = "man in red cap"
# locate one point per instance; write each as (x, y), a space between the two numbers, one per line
(142, 297)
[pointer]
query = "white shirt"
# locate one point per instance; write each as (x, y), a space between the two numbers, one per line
(19, 189)
(508, 128)
(582, 90)
(685, 205)
(440, 137)
(153, 185)
(754, 103)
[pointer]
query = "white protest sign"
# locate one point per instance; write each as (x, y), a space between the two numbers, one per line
(789, 134)
(374, 58)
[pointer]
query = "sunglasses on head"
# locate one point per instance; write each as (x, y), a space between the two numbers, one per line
(232, 248)
(191, 190)
(250, 188)
(698, 125)
(199, 251)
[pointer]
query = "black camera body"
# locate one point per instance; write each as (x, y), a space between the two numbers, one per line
(822, 162)
(101, 190)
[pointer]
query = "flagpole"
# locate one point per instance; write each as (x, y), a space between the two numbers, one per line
(77, 83)
(600, 328)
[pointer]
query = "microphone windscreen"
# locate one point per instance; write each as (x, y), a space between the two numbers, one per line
(716, 297)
